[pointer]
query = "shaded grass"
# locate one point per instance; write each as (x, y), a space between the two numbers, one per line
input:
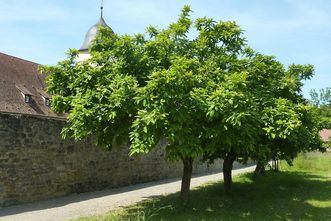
(301, 192)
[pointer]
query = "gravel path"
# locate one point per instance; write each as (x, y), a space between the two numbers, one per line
(77, 205)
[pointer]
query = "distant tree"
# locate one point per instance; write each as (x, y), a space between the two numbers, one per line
(322, 106)
(288, 124)
(323, 113)
(269, 109)
(322, 98)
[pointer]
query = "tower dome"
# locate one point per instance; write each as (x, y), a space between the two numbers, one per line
(93, 31)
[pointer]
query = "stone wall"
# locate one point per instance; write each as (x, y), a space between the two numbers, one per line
(36, 164)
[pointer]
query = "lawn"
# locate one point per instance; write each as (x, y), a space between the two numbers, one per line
(301, 192)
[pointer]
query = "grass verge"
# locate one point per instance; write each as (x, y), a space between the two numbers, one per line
(301, 192)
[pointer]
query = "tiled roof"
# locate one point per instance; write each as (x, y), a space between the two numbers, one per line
(17, 77)
(325, 135)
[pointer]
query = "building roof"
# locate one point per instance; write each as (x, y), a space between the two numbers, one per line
(325, 135)
(19, 77)
(92, 34)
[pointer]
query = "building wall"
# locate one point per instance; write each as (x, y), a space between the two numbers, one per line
(36, 164)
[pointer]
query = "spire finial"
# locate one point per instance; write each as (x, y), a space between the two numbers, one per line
(101, 8)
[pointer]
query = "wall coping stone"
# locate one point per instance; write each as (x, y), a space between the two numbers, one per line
(33, 115)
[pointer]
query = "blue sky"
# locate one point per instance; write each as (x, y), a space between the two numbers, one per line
(295, 31)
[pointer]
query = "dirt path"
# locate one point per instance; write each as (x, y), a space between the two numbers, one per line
(100, 202)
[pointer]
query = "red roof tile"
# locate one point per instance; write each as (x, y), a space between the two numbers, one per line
(325, 135)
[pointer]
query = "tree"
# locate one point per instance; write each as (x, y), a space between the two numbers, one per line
(286, 115)
(322, 106)
(147, 87)
(322, 98)
(206, 94)
(323, 113)
(271, 113)
(172, 103)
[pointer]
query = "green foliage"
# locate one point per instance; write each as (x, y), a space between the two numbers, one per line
(168, 110)
(209, 94)
(285, 116)
(322, 106)
(281, 119)
(323, 114)
(97, 96)
(323, 98)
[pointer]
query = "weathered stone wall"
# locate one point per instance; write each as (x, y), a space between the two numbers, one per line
(35, 163)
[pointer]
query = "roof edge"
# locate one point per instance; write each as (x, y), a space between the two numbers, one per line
(15, 57)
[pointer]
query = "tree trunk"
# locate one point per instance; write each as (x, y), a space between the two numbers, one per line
(259, 169)
(276, 165)
(186, 179)
(227, 170)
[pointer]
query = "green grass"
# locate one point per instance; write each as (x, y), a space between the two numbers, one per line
(301, 192)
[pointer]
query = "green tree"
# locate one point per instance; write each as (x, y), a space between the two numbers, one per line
(321, 98)
(194, 83)
(151, 88)
(323, 113)
(172, 103)
(286, 117)
(271, 113)
(322, 106)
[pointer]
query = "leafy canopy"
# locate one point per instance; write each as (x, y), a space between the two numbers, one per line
(195, 83)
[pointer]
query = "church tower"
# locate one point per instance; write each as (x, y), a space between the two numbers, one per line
(90, 36)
